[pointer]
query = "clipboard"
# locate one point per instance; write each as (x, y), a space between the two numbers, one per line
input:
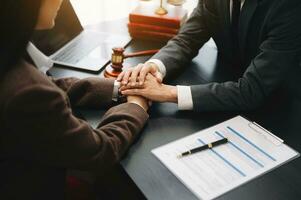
(251, 152)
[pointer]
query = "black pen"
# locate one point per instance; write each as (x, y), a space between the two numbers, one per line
(204, 147)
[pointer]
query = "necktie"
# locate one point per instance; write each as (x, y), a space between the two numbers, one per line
(235, 15)
(234, 29)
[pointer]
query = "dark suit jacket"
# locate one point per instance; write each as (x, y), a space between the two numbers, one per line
(269, 41)
(40, 136)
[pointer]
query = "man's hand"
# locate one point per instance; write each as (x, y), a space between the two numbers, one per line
(136, 76)
(152, 90)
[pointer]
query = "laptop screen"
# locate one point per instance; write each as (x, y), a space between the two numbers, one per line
(66, 28)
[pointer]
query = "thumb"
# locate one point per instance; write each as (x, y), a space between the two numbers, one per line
(153, 69)
(155, 72)
(159, 77)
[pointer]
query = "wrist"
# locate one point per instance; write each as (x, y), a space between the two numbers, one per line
(115, 93)
(140, 101)
(171, 93)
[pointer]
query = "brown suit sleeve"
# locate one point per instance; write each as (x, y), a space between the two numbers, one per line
(88, 92)
(43, 129)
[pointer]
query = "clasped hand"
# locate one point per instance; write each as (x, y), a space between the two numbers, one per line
(145, 80)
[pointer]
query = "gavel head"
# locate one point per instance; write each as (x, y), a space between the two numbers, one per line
(113, 70)
(117, 57)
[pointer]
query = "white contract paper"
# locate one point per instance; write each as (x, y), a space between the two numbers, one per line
(250, 152)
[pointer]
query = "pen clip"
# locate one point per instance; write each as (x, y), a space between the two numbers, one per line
(267, 134)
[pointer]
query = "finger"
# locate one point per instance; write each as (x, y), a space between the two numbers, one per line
(131, 92)
(148, 76)
(156, 73)
(120, 76)
(159, 77)
(144, 71)
(153, 69)
(125, 87)
(126, 76)
(135, 72)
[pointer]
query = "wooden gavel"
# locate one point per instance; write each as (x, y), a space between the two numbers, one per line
(118, 56)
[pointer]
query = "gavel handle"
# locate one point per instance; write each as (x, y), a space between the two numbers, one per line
(141, 53)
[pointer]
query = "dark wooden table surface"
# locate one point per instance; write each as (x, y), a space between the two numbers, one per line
(281, 116)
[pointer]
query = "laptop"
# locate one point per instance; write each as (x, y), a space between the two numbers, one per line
(68, 44)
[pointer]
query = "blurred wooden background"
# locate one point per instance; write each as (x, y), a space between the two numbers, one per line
(95, 11)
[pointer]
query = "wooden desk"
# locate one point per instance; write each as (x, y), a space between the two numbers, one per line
(167, 124)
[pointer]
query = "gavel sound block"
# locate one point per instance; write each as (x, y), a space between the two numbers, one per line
(118, 56)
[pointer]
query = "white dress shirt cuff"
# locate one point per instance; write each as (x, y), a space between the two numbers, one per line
(160, 65)
(184, 98)
(42, 62)
(115, 91)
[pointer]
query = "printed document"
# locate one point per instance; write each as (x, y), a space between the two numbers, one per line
(251, 151)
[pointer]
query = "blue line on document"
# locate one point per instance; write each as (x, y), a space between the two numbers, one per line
(224, 159)
(251, 143)
(239, 149)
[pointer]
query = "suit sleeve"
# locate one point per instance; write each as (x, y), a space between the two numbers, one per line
(277, 58)
(44, 130)
(182, 48)
(88, 92)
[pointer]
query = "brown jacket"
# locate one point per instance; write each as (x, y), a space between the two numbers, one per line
(39, 135)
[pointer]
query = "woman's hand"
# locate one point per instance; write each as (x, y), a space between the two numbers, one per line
(152, 90)
(140, 101)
